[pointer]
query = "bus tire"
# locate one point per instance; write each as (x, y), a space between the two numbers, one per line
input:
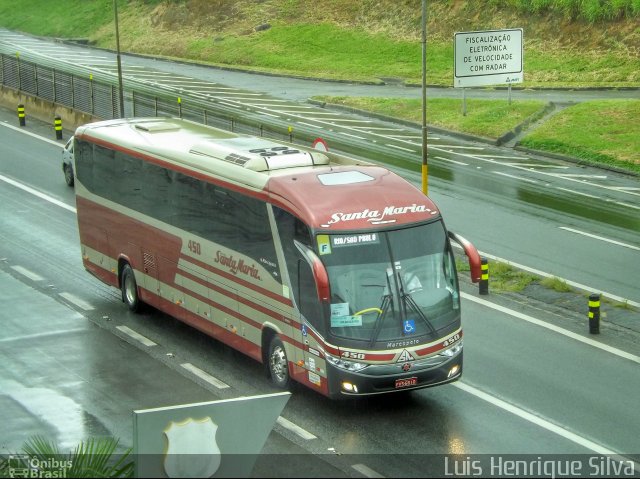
(278, 363)
(68, 175)
(129, 289)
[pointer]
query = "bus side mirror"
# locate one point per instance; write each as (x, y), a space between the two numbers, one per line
(322, 280)
(320, 274)
(472, 255)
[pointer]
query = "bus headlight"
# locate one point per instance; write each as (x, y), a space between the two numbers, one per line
(453, 350)
(344, 364)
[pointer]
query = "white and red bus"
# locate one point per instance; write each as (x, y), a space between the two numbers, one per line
(334, 273)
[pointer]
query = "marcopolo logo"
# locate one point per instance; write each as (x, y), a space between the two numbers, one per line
(376, 216)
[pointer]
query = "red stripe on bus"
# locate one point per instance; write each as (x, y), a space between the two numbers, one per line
(235, 279)
(240, 299)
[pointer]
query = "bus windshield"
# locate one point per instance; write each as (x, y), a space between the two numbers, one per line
(391, 286)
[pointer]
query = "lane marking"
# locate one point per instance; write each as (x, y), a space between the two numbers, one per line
(578, 193)
(627, 205)
(601, 238)
(31, 337)
(29, 274)
(553, 327)
(527, 416)
(204, 376)
(77, 301)
(400, 148)
(303, 433)
(544, 274)
(367, 471)
(515, 177)
(137, 336)
(34, 192)
(34, 135)
(461, 163)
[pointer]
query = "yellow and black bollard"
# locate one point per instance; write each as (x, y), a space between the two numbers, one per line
(21, 115)
(594, 313)
(57, 124)
(483, 286)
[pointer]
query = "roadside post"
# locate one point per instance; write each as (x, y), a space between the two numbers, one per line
(483, 286)
(57, 125)
(594, 313)
(21, 115)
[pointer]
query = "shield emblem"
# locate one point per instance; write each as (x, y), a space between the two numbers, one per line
(192, 450)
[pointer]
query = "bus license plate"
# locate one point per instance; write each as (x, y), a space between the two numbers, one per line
(403, 383)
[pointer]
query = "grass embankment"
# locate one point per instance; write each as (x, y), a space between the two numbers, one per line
(602, 132)
(567, 43)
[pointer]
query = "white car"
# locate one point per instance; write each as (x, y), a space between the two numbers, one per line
(67, 162)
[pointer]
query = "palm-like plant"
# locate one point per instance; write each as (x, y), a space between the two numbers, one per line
(91, 458)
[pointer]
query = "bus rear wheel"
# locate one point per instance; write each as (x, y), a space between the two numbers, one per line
(279, 364)
(129, 289)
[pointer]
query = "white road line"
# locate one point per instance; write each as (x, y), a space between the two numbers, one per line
(137, 336)
(578, 193)
(40, 336)
(269, 114)
(22, 130)
(532, 418)
(451, 161)
(309, 124)
(303, 433)
(575, 175)
(515, 177)
(400, 148)
(205, 376)
(627, 205)
(625, 188)
(460, 147)
(37, 193)
(554, 328)
(601, 238)
(352, 136)
(367, 471)
(29, 274)
(574, 284)
(536, 165)
(77, 301)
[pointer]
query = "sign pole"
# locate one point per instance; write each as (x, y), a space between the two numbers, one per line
(425, 178)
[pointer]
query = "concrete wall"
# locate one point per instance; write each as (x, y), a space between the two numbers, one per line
(43, 109)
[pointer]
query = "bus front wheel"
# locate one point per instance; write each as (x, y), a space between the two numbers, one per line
(278, 363)
(129, 289)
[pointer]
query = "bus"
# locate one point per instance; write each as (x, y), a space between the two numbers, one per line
(332, 272)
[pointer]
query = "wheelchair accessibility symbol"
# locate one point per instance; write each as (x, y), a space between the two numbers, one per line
(409, 326)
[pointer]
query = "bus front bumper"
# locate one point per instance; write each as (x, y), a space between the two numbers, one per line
(345, 383)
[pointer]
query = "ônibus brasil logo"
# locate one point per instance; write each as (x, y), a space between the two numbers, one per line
(376, 217)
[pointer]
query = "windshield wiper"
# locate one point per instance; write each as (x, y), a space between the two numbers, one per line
(408, 299)
(387, 300)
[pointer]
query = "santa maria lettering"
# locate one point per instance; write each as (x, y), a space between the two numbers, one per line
(237, 266)
(377, 216)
